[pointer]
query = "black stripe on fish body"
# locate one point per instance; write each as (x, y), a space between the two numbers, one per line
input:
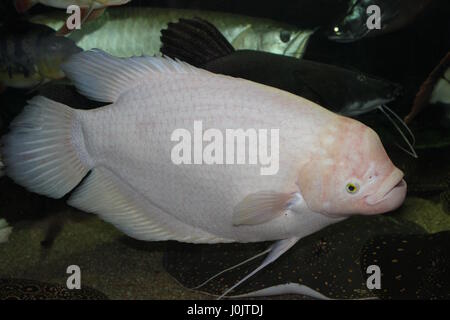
(14, 58)
(412, 266)
(19, 51)
(20, 48)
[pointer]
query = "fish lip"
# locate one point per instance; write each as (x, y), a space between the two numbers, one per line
(394, 183)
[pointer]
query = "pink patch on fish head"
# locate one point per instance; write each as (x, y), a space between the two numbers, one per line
(351, 173)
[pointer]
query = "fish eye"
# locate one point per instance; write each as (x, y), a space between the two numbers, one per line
(285, 36)
(352, 187)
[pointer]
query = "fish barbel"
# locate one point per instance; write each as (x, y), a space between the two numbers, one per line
(126, 32)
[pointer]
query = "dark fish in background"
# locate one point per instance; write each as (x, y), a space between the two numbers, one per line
(31, 54)
(394, 14)
(24, 289)
(347, 92)
(350, 93)
(435, 89)
(327, 262)
(412, 266)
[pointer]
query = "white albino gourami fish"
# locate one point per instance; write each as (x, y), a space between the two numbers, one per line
(329, 166)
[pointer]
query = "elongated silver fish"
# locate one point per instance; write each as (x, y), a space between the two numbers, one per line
(126, 32)
(329, 166)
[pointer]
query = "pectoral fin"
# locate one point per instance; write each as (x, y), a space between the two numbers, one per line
(276, 250)
(261, 207)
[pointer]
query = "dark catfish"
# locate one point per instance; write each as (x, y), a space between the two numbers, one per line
(341, 90)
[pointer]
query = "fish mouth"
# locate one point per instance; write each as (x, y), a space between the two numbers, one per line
(390, 195)
(390, 92)
(297, 46)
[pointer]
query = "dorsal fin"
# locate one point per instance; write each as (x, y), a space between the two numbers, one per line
(102, 77)
(195, 41)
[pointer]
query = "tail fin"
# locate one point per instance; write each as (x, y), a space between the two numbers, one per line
(5, 231)
(194, 41)
(39, 153)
